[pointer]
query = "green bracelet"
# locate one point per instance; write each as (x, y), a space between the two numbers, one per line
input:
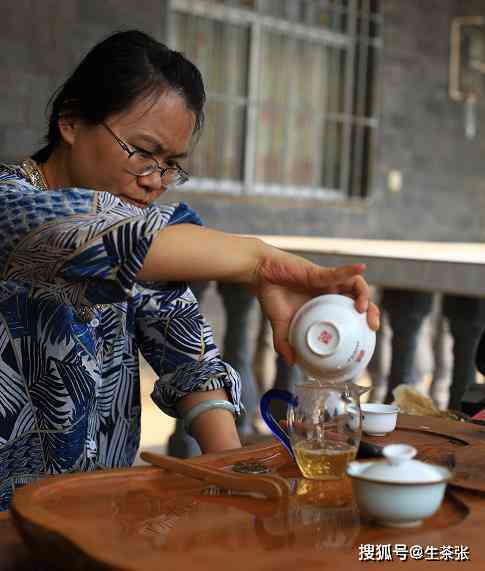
(194, 412)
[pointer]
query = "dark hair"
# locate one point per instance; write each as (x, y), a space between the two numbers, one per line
(123, 68)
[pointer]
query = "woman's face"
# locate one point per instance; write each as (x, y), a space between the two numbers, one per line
(95, 160)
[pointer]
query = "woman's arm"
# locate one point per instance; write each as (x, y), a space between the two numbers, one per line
(215, 429)
(282, 282)
(179, 345)
(185, 252)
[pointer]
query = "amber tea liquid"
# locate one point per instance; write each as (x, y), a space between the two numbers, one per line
(323, 462)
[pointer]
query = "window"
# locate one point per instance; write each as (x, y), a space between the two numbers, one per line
(291, 94)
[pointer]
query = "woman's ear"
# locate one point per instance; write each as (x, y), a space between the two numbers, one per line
(68, 128)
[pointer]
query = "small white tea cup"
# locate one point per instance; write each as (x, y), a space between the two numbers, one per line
(331, 339)
(378, 419)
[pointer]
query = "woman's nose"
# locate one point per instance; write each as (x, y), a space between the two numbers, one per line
(151, 182)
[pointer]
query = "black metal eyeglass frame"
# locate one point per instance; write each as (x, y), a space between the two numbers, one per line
(180, 174)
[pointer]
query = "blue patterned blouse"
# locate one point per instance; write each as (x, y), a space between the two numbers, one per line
(72, 320)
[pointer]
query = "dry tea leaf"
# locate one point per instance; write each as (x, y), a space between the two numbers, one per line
(411, 401)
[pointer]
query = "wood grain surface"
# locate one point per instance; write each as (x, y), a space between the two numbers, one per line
(147, 519)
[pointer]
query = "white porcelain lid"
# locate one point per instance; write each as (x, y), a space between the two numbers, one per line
(331, 339)
(399, 466)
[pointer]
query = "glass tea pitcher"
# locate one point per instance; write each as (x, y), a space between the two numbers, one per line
(323, 425)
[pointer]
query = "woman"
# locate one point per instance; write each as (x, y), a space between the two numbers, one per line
(93, 272)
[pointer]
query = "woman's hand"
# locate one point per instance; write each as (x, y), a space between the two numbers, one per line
(284, 282)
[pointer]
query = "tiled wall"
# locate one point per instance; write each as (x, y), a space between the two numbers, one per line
(421, 133)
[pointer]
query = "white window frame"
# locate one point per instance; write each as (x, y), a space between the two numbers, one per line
(257, 22)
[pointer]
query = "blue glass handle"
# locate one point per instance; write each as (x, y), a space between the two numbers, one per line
(275, 428)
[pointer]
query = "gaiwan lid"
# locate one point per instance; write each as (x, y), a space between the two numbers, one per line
(399, 466)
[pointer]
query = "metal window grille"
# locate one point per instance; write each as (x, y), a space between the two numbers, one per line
(291, 90)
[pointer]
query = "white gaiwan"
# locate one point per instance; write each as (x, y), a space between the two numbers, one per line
(400, 491)
(331, 339)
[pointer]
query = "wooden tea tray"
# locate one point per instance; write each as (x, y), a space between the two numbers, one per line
(469, 470)
(459, 446)
(147, 519)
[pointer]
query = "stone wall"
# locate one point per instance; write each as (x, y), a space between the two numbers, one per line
(421, 130)
(40, 43)
(421, 134)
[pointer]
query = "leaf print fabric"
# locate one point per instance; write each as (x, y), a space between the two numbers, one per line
(70, 388)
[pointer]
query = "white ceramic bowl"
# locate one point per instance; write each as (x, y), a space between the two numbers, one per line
(398, 492)
(378, 419)
(331, 339)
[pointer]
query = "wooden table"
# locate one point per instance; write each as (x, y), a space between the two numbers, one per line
(318, 529)
(448, 267)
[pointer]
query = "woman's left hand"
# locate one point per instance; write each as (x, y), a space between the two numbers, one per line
(284, 282)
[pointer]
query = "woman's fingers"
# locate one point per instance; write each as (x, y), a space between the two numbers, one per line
(360, 291)
(373, 317)
(326, 278)
(346, 280)
(299, 274)
(280, 341)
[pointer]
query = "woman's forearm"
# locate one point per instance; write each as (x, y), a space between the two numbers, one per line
(214, 430)
(190, 253)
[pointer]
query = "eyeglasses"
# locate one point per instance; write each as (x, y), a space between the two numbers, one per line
(143, 163)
